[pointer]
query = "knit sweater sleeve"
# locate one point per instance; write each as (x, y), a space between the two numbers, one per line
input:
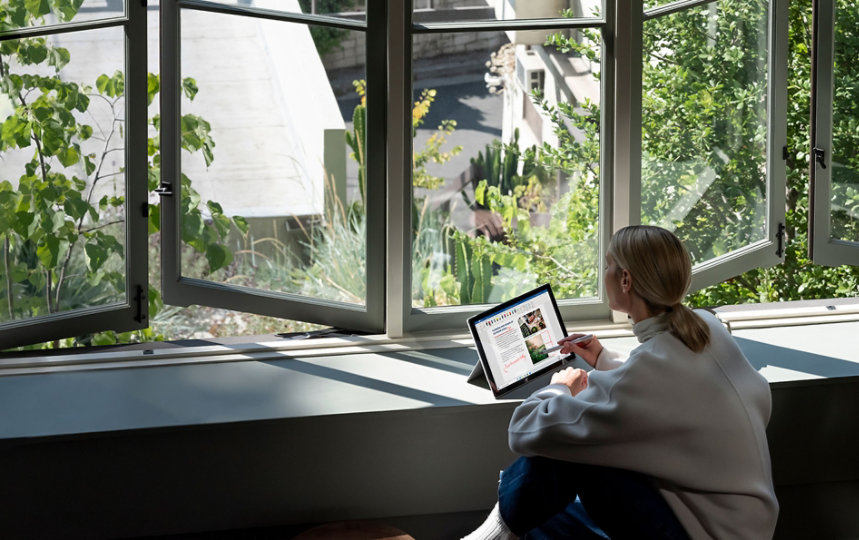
(607, 360)
(614, 410)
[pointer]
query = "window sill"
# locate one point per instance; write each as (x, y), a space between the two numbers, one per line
(65, 395)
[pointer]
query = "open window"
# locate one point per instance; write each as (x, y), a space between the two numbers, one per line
(281, 214)
(834, 194)
(713, 102)
(73, 202)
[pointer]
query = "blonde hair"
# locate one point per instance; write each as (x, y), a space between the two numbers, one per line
(662, 273)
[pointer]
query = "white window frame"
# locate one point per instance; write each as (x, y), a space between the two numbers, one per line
(184, 291)
(133, 313)
(823, 248)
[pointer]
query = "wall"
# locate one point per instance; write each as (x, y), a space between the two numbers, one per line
(434, 460)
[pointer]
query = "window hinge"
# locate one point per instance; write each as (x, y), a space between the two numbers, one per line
(144, 208)
(784, 154)
(780, 238)
(820, 156)
(139, 299)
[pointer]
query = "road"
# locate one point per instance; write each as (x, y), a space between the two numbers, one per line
(477, 113)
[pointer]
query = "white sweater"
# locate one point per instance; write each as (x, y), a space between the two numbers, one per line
(695, 422)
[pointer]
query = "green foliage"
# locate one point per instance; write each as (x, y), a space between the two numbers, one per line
(501, 165)
(325, 38)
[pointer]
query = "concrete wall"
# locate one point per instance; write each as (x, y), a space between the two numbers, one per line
(438, 460)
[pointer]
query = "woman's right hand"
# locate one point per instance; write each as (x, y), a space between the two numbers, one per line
(588, 350)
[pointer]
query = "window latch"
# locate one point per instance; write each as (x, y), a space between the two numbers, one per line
(139, 298)
(820, 156)
(164, 190)
(779, 238)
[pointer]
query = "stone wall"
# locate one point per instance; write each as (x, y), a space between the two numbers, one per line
(351, 51)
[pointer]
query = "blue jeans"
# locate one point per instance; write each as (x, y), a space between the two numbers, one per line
(541, 498)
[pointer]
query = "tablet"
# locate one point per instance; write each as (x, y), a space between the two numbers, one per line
(511, 340)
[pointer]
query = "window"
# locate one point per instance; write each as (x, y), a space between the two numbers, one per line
(395, 166)
(288, 217)
(835, 137)
(72, 192)
(506, 184)
(712, 113)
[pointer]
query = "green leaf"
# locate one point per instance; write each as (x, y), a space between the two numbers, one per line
(241, 223)
(75, 206)
(84, 132)
(96, 256)
(153, 86)
(58, 57)
(189, 87)
(69, 156)
(48, 251)
(215, 209)
(217, 256)
(154, 218)
(101, 83)
(22, 222)
(16, 132)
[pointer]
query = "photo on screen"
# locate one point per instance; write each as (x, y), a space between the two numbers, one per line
(531, 323)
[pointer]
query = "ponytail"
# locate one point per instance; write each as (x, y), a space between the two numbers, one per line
(662, 270)
(688, 327)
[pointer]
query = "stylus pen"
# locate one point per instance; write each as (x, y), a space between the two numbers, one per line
(577, 340)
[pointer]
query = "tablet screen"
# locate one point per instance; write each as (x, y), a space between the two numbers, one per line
(512, 338)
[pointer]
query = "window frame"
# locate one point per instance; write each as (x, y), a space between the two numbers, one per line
(133, 313)
(185, 291)
(388, 308)
(402, 318)
(769, 251)
(822, 247)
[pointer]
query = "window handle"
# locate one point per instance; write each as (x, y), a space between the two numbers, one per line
(820, 156)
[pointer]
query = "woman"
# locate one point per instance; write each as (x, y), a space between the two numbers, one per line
(668, 443)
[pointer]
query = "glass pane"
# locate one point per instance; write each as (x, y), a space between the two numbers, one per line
(20, 14)
(429, 11)
(845, 128)
(704, 126)
(506, 169)
(62, 180)
(272, 199)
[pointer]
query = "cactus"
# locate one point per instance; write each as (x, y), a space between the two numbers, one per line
(473, 271)
(357, 141)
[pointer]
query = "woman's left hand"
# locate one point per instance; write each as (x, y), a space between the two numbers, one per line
(573, 378)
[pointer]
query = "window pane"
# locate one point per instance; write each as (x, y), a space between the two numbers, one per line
(704, 126)
(62, 180)
(20, 14)
(506, 169)
(279, 205)
(428, 11)
(845, 129)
